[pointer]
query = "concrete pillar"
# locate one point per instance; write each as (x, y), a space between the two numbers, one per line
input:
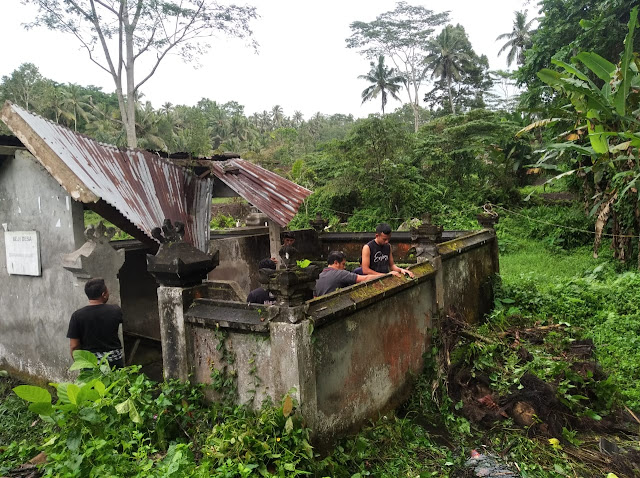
(438, 285)
(274, 241)
(173, 303)
(293, 365)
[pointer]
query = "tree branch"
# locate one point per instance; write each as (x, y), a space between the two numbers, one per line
(103, 42)
(99, 2)
(68, 27)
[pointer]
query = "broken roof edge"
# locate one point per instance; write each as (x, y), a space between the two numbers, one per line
(69, 181)
(42, 138)
(277, 197)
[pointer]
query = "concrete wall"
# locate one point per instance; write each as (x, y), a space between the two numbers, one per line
(239, 258)
(364, 361)
(355, 352)
(36, 310)
(469, 264)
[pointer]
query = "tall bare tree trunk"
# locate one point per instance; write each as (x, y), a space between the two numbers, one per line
(130, 125)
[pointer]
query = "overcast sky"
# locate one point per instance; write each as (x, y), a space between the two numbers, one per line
(302, 64)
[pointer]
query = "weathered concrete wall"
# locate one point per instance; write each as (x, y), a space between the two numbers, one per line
(355, 352)
(36, 310)
(210, 348)
(469, 264)
(239, 258)
(364, 361)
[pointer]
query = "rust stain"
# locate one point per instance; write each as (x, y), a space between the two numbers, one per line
(402, 345)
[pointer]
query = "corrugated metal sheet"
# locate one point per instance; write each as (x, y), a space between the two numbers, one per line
(145, 188)
(274, 195)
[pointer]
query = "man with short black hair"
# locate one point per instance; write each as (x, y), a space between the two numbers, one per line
(95, 327)
(260, 295)
(288, 239)
(334, 276)
(376, 255)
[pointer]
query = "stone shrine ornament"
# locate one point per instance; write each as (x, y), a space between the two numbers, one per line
(177, 262)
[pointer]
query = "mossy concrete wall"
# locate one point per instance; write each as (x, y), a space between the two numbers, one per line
(355, 353)
(469, 266)
(365, 361)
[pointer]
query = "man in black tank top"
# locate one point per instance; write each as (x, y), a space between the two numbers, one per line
(376, 255)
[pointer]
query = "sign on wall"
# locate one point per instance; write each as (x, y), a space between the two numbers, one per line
(23, 253)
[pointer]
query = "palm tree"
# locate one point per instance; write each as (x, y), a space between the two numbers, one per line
(277, 115)
(447, 58)
(519, 38)
(383, 81)
(298, 118)
(77, 102)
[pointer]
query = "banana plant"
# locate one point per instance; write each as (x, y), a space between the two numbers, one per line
(605, 141)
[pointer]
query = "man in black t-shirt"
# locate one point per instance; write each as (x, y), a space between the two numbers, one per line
(334, 276)
(260, 295)
(376, 255)
(95, 327)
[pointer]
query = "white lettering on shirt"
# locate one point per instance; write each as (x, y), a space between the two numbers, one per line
(380, 257)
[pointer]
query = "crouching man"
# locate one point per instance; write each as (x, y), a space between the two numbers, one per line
(95, 327)
(334, 276)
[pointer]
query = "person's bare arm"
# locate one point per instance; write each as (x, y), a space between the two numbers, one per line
(366, 278)
(366, 262)
(74, 344)
(399, 270)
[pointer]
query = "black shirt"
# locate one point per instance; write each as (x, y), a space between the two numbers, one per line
(260, 296)
(379, 257)
(97, 327)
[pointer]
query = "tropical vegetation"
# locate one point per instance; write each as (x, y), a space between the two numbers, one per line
(552, 147)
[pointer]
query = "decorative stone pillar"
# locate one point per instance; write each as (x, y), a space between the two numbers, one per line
(179, 268)
(96, 258)
(488, 219)
(425, 239)
(290, 334)
(291, 286)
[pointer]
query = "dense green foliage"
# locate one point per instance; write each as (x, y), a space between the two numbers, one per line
(450, 168)
(602, 150)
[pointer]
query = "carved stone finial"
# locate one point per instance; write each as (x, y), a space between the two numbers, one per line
(488, 218)
(99, 233)
(178, 263)
(289, 256)
(318, 223)
(169, 232)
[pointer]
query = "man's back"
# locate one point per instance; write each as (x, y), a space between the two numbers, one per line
(332, 279)
(97, 327)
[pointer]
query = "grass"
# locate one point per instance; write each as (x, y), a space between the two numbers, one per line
(534, 259)
(21, 431)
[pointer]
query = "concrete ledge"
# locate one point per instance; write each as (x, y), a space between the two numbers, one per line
(232, 315)
(465, 243)
(343, 302)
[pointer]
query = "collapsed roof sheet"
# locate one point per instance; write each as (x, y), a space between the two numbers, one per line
(274, 195)
(143, 187)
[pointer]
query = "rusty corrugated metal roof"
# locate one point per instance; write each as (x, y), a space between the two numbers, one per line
(143, 187)
(274, 195)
